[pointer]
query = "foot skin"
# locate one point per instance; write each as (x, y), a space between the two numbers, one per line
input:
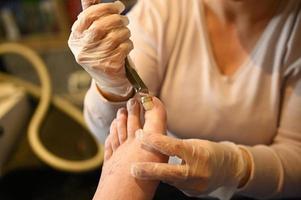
(122, 149)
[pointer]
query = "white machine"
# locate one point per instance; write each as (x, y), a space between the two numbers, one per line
(14, 115)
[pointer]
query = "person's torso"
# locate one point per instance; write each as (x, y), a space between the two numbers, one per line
(202, 103)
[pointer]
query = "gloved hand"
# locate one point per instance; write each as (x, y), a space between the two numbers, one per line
(100, 43)
(205, 166)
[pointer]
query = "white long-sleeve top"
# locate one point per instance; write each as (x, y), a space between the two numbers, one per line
(258, 107)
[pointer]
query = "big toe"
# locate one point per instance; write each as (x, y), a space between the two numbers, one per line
(155, 119)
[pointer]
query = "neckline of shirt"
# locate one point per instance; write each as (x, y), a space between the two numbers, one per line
(210, 55)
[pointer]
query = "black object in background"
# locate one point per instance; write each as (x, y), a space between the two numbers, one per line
(2, 66)
(48, 184)
(1, 130)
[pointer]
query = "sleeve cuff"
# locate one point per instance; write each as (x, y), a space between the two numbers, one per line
(99, 112)
(266, 173)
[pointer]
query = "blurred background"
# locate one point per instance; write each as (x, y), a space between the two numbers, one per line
(43, 26)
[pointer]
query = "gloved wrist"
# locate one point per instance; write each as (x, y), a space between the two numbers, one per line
(238, 174)
(115, 98)
(237, 163)
(121, 91)
(248, 160)
(244, 162)
(116, 84)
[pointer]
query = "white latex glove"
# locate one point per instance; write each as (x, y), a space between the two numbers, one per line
(100, 43)
(205, 167)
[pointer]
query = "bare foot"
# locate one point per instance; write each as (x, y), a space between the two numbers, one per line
(122, 149)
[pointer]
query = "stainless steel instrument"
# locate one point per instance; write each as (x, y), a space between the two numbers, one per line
(138, 85)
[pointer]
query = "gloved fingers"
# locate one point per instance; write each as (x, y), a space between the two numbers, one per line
(163, 144)
(104, 46)
(100, 55)
(124, 49)
(101, 27)
(87, 3)
(109, 62)
(114, 64)
(159, 171)
(133, 122)
(114, 38)
(95, 12)
(155, 118)
(121, 126)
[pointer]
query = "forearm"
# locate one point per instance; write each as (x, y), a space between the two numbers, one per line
(276, 168)
(275, 172)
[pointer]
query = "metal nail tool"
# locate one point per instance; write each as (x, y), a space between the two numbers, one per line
(138, 85)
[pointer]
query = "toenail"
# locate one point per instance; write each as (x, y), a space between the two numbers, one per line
(121, 111)
(131, 103)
